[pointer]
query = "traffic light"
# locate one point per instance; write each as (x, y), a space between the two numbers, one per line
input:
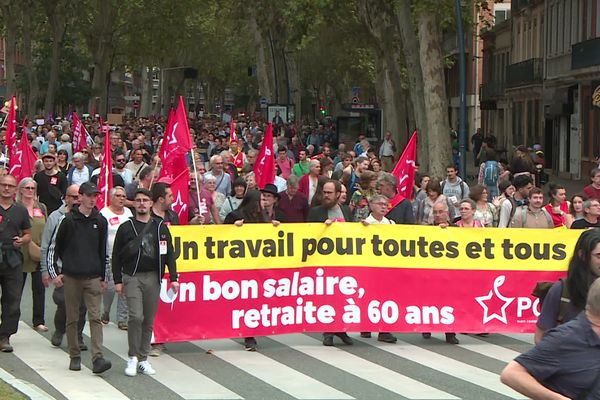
(323, 111)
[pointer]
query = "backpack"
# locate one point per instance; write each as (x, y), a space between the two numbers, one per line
(541, 290)
(491, 172)
(524, 210)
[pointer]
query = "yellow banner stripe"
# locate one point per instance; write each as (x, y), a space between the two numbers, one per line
(263, 246)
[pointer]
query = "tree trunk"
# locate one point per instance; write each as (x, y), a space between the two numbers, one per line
(10, 39)
(100, 43)
(377, 16)
(410, 46)
(432, 64)
(146, 95)
(32, 95)
(262, 66)
(295, 85)
(59, 27)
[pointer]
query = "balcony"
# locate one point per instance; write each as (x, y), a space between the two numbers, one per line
(491, 90)
(585, 54)
(525, 73)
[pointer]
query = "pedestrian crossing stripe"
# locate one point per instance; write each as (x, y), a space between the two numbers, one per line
(188, 376)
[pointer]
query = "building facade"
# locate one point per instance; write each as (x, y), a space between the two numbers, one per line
(552, 84)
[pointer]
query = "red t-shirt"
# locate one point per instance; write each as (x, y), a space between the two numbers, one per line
(591, 192)
(558, 219)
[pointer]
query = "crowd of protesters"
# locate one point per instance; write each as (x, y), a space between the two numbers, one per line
(318, 180)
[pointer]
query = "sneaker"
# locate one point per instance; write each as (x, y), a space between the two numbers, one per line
(75, 364)
(250, 344)
(100, 365)
(145, 368)
(40, 328)
(132, 366)
(122, 325)
(105, 319)
(328, 341)
(365, 335)
(56, 339)
(5, 346)
(426, 335)
(82, 345)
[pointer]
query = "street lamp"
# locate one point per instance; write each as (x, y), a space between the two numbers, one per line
(462, 90)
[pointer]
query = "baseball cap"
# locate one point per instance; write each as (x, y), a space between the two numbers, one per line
(88, 188)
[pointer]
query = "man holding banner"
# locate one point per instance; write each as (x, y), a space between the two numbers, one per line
(329, 212)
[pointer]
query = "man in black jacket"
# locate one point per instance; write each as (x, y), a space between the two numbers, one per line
(81, 245)
(329, 212)
(142, 247)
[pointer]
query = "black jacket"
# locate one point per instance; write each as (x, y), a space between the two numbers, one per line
(402, 213)
(320, 214)
(124, 261)
(81, 244)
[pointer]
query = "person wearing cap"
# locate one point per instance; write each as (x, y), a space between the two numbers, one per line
(81, 245)
(52, 184)
(268, 197)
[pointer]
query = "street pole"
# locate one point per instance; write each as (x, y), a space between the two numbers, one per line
(462, 71)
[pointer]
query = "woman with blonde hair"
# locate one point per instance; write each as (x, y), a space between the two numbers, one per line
(27, 196)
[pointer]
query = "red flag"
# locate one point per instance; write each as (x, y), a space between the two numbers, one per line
(404, 171)
(264, 167)
(79, 134)
(105, 180)
(176, 142)
(23, 164)
(11, 132)
(181, 194)
(232, 134)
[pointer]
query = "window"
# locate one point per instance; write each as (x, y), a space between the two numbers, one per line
(501, 15)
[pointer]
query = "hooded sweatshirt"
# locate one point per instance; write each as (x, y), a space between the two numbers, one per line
(81, 244)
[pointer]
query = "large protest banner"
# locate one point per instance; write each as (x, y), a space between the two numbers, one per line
(262, 280)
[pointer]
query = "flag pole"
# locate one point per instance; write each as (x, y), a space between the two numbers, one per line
(196, 175)
(154, 172)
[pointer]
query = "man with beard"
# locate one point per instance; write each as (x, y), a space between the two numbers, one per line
(331, 211)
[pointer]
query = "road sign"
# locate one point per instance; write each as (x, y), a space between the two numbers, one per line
(131, 98)
(136, 104)
(264, 102)
(355, 100)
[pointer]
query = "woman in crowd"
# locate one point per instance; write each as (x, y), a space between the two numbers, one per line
(63, 162)
(376, 166)
(27, 196)
(210, 184)
(248, 211)
(359, 203)
(233, 201)
(558, 207)
(522, 164)
(485, 212)
(425, 208)
(576, 207)
(466, 210)
(562, 305)
(506, 189)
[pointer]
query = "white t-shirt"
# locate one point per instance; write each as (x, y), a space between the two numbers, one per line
(114, 221)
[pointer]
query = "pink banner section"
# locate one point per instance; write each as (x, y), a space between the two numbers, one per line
(229, 304)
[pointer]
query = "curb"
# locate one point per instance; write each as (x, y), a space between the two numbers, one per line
(27, 389)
